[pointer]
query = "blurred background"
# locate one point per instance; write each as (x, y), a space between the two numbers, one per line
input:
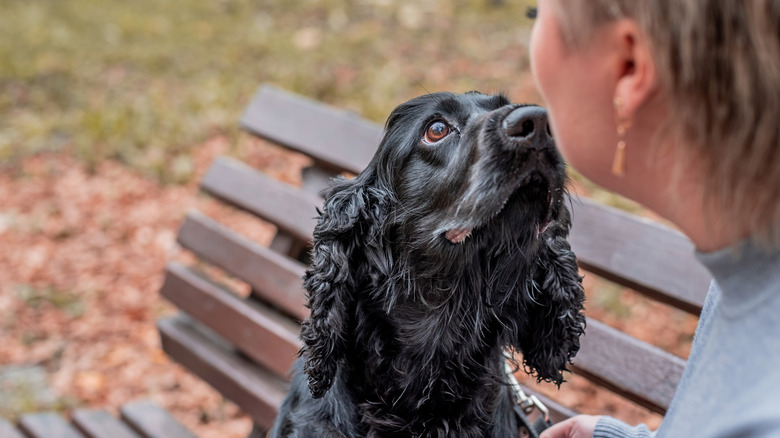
(110, 112)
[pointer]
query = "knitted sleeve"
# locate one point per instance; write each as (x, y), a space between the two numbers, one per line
(609, 427)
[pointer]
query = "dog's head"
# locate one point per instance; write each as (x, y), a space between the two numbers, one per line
(469, 171)
(460, 183)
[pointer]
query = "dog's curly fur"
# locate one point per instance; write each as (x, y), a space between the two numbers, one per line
(408, 318)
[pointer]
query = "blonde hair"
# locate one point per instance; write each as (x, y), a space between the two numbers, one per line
(719, 63)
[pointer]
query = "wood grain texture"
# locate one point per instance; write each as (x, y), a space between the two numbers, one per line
(638, 253)
(336, 139)
(261, 333)
(101, 424)
(152, 421)
(258, 392)
(289, 208)
(641, 372)
(273, 277)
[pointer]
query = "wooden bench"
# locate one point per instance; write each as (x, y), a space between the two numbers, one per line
(244, 347)
(137, 420)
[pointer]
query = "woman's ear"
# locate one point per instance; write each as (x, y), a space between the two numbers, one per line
(346, 220)
(637, 78)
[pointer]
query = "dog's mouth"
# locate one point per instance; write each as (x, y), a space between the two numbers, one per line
(532, 183)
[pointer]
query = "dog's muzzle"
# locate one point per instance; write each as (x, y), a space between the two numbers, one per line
(525, 139)
(527, 127)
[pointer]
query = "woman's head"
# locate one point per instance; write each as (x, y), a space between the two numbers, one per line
(701, 79)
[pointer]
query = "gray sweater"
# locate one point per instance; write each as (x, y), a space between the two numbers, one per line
(731, 385)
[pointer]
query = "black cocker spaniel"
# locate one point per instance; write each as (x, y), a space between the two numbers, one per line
(447, 249)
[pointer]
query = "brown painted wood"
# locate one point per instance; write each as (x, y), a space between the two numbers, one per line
(101, 424)
(8, 431)
(289, 208)
(641, 254)
(252, 327)
(256, 391)
(640, 372)
(152, 421)
(315, 180)
(284, 244)
(337, 140)
(47, 425)
(273, 277)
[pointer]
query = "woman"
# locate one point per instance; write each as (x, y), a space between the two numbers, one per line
(676, 104)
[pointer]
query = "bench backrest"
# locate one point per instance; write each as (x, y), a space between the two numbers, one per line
(634, 252)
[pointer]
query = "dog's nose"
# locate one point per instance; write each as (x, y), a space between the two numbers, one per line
(528, 123)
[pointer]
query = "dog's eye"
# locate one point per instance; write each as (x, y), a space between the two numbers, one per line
(436, 131)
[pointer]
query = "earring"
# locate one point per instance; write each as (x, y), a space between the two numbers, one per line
(623, 123)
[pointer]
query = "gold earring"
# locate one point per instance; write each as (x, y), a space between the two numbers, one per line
(623, 123)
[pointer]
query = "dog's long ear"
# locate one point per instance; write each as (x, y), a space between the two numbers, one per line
(351, 214)
(554, 311)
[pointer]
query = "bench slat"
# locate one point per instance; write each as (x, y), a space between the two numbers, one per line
(8, 431)
(47, 425)
(289, 208)
(101, 424)
(257, 392)
(252, 327)
(337, 140)
(640, 372)
(643, 255)
(152, 421)
(273, 277)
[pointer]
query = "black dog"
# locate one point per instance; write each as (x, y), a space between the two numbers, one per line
(447, 249)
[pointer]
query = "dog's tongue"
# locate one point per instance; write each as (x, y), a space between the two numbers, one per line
(548, 217)
(458, 235)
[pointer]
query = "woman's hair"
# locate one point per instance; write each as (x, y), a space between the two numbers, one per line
(719, 63)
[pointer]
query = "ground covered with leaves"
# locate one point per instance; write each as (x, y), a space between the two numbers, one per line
(82, 256)
(110, 113)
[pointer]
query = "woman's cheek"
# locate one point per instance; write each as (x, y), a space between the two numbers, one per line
(540, 56)
(562, 140)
